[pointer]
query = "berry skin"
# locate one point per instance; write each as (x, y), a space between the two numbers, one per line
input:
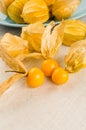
(48, 66)
(35, 77)
(60, 76)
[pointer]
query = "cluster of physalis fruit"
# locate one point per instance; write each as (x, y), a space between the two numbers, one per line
(43, 42)
(49, 68)
(31, 11)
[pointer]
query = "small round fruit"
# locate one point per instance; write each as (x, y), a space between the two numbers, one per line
(48, 66)
(35, 77)
(59, 76)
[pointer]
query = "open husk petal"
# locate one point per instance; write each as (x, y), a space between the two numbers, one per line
(33, 34)
(52, 39)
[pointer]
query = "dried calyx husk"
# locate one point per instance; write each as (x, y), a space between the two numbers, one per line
(14, 44)
(63, 9)
(76, 57)
(15, 10)
(10, 81)
(74, 30)
(33, 34)
(34, 11)
(4, 4)
(52, 39)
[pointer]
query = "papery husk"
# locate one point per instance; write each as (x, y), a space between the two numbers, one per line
(13, 63)
(34, 11)
(74, 30)
(4, 4)
(49, 2)
(63, 9)
(33, 34)
(34, 55)
(15, 10)
(14, 44)
(52, 39)
(76, 57)
(10, 81)
(14, 54)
